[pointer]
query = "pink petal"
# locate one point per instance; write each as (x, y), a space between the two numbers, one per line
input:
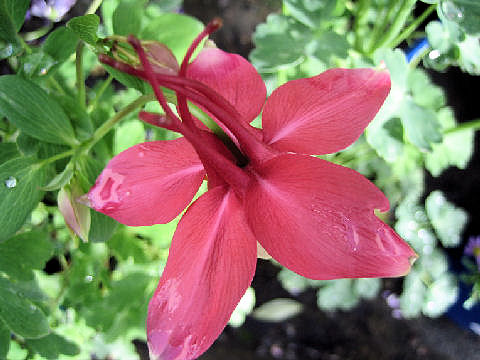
(233, 77)
(316, 218)
(326, 113)
(149, 183)
(210, 266)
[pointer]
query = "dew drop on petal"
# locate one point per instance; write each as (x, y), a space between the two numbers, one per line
(11, 182)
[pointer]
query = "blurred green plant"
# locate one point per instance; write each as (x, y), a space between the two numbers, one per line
(414, 130)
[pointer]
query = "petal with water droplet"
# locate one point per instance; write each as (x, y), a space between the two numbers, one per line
(149, 183)
(317, 219)
(210, 266)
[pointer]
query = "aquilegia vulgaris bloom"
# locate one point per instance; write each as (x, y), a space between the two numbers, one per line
(314, 217)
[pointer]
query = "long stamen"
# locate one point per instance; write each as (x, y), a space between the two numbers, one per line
(211, 27)
(182, 100)
(213, 160)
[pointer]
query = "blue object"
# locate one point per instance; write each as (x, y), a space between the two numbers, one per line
(416, 49)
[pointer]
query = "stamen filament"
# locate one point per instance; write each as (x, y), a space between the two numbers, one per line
(215, 162)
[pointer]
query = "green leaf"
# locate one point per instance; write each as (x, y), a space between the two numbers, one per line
(328, 45)
(447, 220)
(127, 17)
(20, 315)
(280, 44)
(466, 13)
(367, 288)
(20, 192)
(16, 352)
(60, 44)
(81, 120)
(128, 80)
(456, 148)
(310, 13)
(61, 179)
(12, 16)
(421, 125)
(469, 57)
(337, 294)
(102, 227)
(36, 64)
(176, 31)
(85, 27)
(424, 92)
(8, 151)
(441, 294)
(21, 254)
(243, 308)
(278, 310)
(52, 346)
(33, 111)
(4, 340)
(414, 290)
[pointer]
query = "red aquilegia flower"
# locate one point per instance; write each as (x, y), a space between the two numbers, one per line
(314, 217)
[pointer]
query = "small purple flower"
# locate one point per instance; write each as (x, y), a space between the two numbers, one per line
(473, 249)
(51, 9)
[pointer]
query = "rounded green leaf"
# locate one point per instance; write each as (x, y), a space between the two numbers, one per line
(30, 108)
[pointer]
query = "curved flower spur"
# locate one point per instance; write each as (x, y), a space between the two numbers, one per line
(314, 217)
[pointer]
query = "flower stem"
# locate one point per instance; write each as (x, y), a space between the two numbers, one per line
(93, 104)
(360, 21)
(413, 26)
(80, 81)
(56, 157)
(399, 21)
(470, 125)
(109, 124)
(92, 9)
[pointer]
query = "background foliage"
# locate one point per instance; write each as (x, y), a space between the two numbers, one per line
(64, 116)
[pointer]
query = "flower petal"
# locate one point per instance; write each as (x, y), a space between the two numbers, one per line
(325, 113)
(149, 183)
(210, 266)
(233, 77)
(317, 219)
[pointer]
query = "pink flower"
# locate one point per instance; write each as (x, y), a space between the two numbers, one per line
(314, 217)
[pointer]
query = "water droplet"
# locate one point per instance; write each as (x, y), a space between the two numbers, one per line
(88, 278)
(43, 71)
(434, 54)
(32, 308)
(452, 11)
(11, 182)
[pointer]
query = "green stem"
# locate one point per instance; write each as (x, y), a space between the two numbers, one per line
(79, 69)
(93, 104)
(92, 9)
(472, 125)
(56, 85)
(361, 19)
(397, 25)
(109, 124)
(380, 27)
(413, 26)
(415, 61)
(56, 157)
